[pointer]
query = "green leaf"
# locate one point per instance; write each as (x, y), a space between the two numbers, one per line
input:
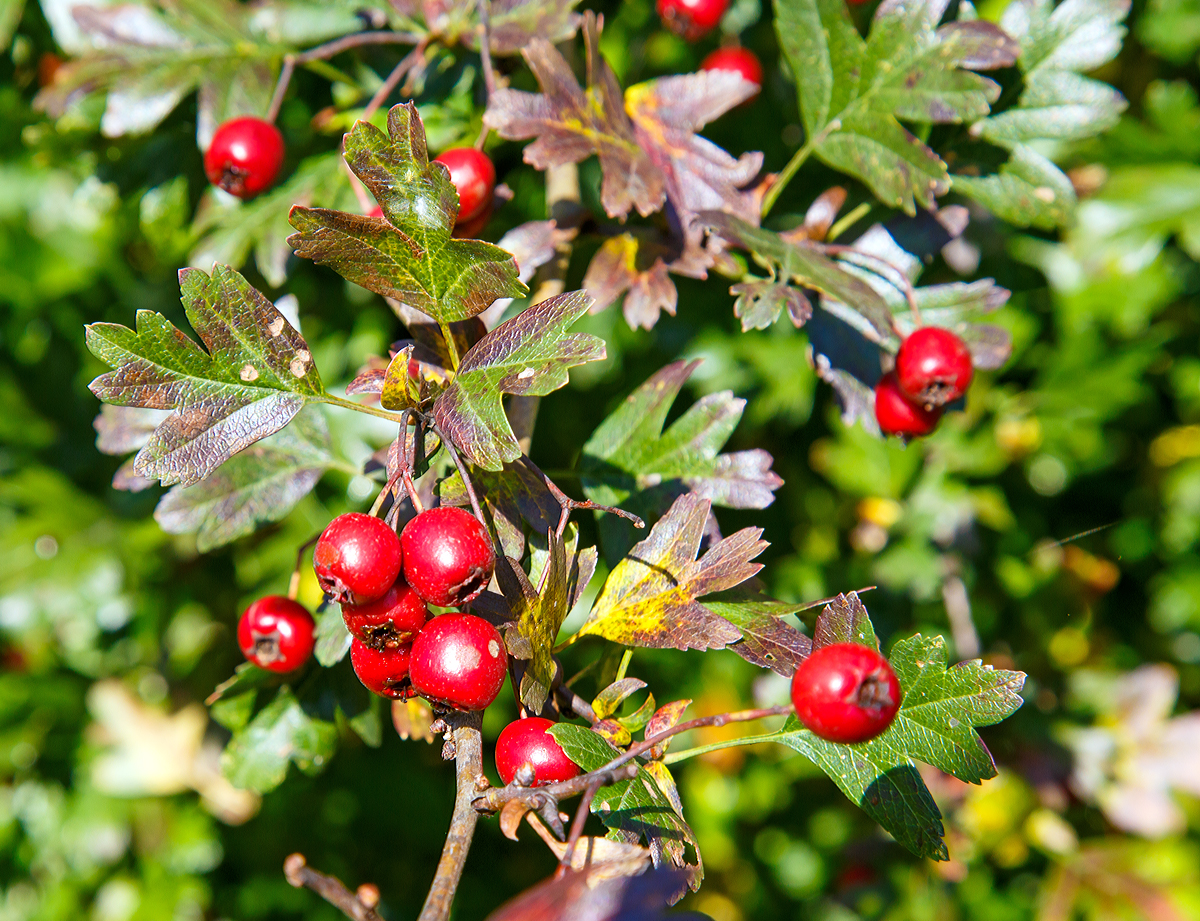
(10, 18)
(528, 355)
(1028, 191)
(804, 264)
(649, 599)
(254, 378)
(408, 254)
(257, 757)
(257, 486)
(332, 637)
(853, 92)
(232, 703)
(935, 724)
(1171, 29)
(643, 806)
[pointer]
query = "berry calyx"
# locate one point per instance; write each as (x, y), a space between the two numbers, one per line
(448, 556)
(458, 660)
(845, 693)
(382, 671)
(357, 558)
(898, 415)
(276, 633)
(691, 18)
(244, 157)
(528, 742)
(389, 621)
(473, 176)
(933, 367)
(741, 61)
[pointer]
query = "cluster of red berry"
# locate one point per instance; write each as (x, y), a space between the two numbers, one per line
(933, 368)
(246, 154)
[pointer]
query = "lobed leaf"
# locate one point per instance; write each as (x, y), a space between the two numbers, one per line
(767, 641)
(409, 253)
(257, 757)
(253, 379)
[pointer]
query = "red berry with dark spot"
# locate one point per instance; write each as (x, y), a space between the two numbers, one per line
(845, 693)
(448, 556)
(459, 660)
(473, 176)
(276, 633)
(357, 559)
(933, 367)
(244, 157)
(390, 621)
(382, 671)
(898, 415)
(691, 18)
(528, 741)
(741, 61)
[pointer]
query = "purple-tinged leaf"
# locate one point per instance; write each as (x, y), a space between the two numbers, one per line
(664, 718)
(528, 355)
(759, 304)
(409, 253)
(768, 641)
(597, 893)
(649, 599)
(844, 620)
(254, 378)
(123, 429)
(623, 265)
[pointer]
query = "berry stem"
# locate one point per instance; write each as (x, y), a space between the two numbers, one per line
(358, 407)
(285, 77)
(581, 814)
(410, 60)
(294, 582)
(462, 472)
(299, 874)
(485, 49)
(676, 757)
(793, 166)
(468, 768)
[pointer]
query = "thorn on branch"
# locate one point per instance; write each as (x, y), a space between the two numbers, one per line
(359, 906)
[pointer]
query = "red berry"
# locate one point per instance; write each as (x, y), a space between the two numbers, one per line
(390, 621)
(933, 366)
(528, 741)
(845, 693)
(376, 212)
(382, 671)
(469, 230)
(691, 18)
(459, 660)
(357, 559)
(276, 633)
(244, 157)
(741, 61)
(448, 556)
(473, 176)
(897, 415)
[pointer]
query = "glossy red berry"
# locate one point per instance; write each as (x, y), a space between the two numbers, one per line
(382, 671)
(741, 61)
(448, 556)
(276, 633)
(458, 660)
(845, 693)
(357, 559)
(691, 18)
(898, 415)
(528, 741)
(244, 157)
(473, 176)
(933, 366)
(389, 621)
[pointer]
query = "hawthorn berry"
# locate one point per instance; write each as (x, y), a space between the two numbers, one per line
(389, 621)
(691, 18)
(244, 157)
(473, 176)
(448, 556)
(357, 558)
(845, 693)
(933, 366)
(898, 415)
(458, 660)
(382, 671)
(276, 633)
(528, 741)
(741, 61)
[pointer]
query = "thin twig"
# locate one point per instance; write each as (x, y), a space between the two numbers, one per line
(575, 703)
(294, 582)
(468, 768)
(581, 814)
(285, 77)
(393, 79)
(337, 46)
(462, 472)
(568, 505)
(299, 874)
(485, 49)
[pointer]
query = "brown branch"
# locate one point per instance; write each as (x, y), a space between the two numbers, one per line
(299, 874)
(285, 77)
(575, 703)
(569, 505)
(619, 768)
(337, 46)
(468, 764)
(410, 60)
(485, 50)
(581, 814)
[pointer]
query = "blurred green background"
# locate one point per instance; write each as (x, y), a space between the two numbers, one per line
(1050, 527)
